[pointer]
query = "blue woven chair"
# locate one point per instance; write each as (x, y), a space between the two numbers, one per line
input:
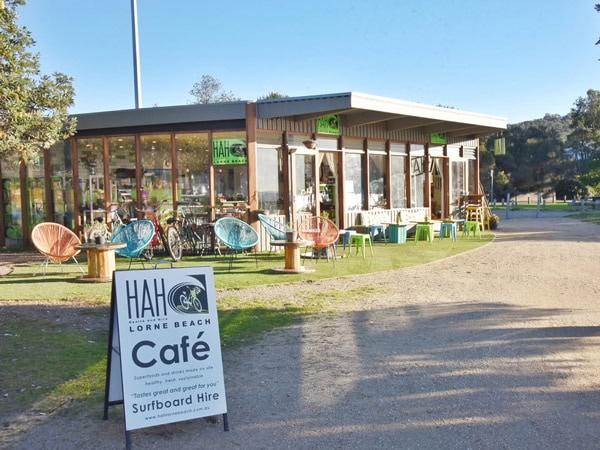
(137, 235)
(237, 235)
(277, 230)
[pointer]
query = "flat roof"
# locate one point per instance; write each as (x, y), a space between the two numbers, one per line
(355, 109)
(358, 109)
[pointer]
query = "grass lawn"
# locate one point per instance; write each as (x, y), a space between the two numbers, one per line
(45, 363)
(245, 272)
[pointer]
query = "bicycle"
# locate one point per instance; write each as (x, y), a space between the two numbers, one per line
(168, 238)
(193, 234)
(119, 219)
(191, 300)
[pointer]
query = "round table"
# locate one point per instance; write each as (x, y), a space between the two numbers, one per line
(292, 256)
(100, 260)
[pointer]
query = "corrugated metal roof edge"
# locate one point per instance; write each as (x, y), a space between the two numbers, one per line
(279, 106)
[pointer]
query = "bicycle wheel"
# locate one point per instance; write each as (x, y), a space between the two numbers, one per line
(174, 240)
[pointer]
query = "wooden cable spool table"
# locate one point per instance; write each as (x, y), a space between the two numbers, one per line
(292, 256)
(100, 260)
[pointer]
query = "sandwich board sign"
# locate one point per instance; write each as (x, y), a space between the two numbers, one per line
(164, 353)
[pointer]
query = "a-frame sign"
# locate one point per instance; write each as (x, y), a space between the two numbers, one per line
(164, 352)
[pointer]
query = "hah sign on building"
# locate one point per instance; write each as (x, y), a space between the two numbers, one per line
(165, 360)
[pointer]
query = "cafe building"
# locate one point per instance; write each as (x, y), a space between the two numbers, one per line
(339, 155)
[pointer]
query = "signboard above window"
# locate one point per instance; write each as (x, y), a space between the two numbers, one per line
(438, 138)
(329, 124)
(229, 151)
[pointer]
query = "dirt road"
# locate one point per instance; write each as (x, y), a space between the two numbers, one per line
(497, 348)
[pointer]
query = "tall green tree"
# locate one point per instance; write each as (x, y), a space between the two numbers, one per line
(535, 153)
(33, 107)
(584, 139)
(585, 125)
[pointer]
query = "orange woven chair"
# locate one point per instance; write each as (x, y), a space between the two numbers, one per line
(56, 242)
(322, 232)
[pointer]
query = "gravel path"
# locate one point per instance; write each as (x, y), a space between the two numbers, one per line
(491, 349)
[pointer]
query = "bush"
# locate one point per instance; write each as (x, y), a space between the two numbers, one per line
(570, 188)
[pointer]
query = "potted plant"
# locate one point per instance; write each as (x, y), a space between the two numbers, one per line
(494, 220)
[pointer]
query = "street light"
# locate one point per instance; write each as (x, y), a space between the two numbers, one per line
(491, 185)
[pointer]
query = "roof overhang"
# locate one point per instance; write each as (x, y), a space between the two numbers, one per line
(357, 109)
(164, 115)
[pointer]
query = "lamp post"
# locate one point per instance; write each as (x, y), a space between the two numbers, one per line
(137, 81)
(491, 185)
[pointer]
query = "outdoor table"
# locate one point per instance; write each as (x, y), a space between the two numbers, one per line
(292, 256)
(100, 260)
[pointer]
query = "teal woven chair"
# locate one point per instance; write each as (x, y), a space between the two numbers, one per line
(277, 230)
(237, 235)
(137, 235)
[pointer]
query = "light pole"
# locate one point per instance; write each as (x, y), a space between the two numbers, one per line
(136, 56)
(491, 186)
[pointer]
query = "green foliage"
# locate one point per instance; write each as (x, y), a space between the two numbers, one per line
(33, 106)
(535, 156)
(585, 123)
(209, 90)
(570, 188)
(272, 95)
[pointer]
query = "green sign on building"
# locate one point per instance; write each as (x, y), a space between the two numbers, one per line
(329, 124)
(438, 138)
(229, 151)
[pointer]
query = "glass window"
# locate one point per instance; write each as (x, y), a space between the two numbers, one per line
(270, 182)
(91, 178)
(230, 160)
(353, 181)
(156, 169)
(13, 218)
(417, 185)
(458, 187)
(193, 165)
(398, 181)
(417, 175)
(121, 168)
(36, 197)
(377, 180)
(328, 184)
(354, 144)
(305, 192)
(63, 204)
(472, 172)
(398, 148)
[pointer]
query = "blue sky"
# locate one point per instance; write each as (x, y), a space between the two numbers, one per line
(518, 59)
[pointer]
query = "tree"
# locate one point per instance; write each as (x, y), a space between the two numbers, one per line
(585, 123)
(272, 95)
(597, 8)
(535, 156)
(209, 90)
(33, 107)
